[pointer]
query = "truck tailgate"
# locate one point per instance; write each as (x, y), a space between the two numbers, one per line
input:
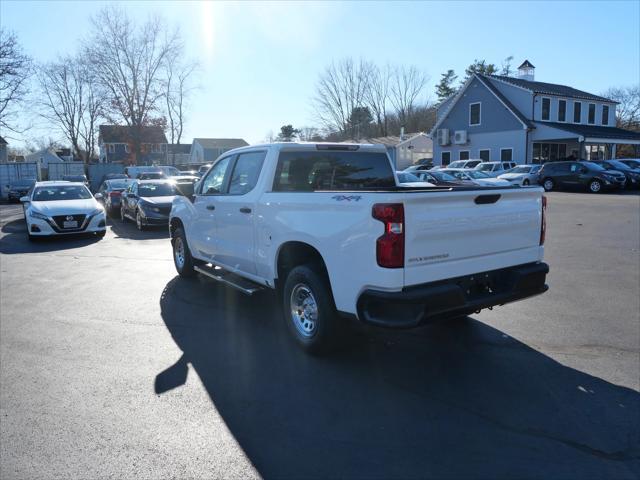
(450, 234)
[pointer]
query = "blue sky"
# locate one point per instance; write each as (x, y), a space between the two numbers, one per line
(260, 61)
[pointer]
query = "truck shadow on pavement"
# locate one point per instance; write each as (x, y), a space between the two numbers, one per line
(451, 400)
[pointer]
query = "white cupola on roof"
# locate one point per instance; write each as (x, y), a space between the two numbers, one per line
(526, 71)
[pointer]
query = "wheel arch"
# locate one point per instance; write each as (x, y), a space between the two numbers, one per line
(293, 253)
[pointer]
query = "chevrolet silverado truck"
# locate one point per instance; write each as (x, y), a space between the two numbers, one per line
(328, 228)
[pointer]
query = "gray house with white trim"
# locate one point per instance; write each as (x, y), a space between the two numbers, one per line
(499, 118)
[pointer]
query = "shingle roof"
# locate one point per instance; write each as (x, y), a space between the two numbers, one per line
(551, 89)
(594, 131)
(179, 148)
(3, 141)
(487, 83)
(122, 134)
(227, 143)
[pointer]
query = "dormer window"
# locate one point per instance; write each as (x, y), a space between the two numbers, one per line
(605, 115)
(474, 114)
(591, 119)
(546, 108)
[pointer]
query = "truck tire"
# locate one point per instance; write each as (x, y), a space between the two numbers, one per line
(309, 310)
(548, 184)
(182, 258)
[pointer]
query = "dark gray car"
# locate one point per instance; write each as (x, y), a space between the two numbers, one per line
(19, 188)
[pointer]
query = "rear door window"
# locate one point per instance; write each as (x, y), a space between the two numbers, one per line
(246, 172)
(307, 171)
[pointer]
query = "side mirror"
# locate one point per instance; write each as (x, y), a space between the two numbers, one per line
(24, 199)
(98, 196)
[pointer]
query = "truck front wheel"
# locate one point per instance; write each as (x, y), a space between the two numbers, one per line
(182, 258)
(309, 310)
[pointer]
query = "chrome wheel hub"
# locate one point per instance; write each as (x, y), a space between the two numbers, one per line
(595, 186)
(548, 185)
(304, 310)
(178, 252)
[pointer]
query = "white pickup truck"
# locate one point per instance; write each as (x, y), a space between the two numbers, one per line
(330, 230)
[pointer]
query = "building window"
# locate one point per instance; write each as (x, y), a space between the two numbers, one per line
(474, 114)
(577, 112)
(549, 152)
(445, 158)
(111, 148)
(592, 114)
(605, 114)
(485, 155)
(546, 108)
(506, 154)
(463, 155)
(562, 110)
(126, 148)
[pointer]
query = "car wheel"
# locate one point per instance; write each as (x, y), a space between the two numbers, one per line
(182, 258)
(548, 184)
(525, 182)
(595, 186)
(309, 310)
(139, 223)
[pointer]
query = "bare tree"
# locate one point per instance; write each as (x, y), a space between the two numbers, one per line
(15, 68)
(177, 90)
(72, 101)
(377, 96)
(407, 83)
(342, 87)
(127, 60)
(628, 109)
(310, 134)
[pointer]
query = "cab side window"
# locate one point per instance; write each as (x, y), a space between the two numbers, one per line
(214, 181)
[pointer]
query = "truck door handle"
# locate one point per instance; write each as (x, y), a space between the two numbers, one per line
(211, 207)
(245, 210)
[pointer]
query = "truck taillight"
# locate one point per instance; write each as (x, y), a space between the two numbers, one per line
(543, 226)
(390, 246)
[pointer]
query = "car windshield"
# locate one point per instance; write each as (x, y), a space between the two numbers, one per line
(151, 176)
(457, 164)
(61, 192)
(520, 170)
(594, 166)
(487, 167)
(156, 189)
(476, 174)
(617, 164)
(442, 176)
(118, 184)
(405, 177)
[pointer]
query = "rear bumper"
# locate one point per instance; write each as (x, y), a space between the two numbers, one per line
(420, 304)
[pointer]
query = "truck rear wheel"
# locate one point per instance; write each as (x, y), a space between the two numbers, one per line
(309, 310)
(182, 258)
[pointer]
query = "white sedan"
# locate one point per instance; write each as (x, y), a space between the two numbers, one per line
(408, 179)
(475, 176)
(523, 175)
(62, 208)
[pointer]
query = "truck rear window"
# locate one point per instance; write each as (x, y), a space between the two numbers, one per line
(332, 170)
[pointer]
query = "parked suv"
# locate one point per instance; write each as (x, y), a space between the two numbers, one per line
(632, 174)
(579, 174)
(463, 164)
(493, 169)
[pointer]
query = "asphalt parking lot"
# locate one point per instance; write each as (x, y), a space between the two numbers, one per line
(113, 367)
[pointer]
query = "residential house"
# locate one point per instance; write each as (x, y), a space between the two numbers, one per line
(406, 149)
(500, 118)
(114, 143)
(178, 153)
(3, 150)
(43, 157)
(206, 150)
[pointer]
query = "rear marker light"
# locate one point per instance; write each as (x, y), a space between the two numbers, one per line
(390, 246)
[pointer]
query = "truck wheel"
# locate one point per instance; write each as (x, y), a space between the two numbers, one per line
(309, 311)
(182, 258)
(548, 184)
(595, 186)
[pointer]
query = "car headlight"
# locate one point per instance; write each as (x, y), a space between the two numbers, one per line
(38, 215)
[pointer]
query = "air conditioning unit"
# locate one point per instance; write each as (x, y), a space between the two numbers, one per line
(443, 136)
(460, 137)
